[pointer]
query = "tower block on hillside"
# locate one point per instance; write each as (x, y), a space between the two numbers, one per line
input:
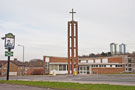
(72, 44)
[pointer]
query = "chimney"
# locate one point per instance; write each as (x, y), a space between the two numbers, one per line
(15, 59)
(44, 57)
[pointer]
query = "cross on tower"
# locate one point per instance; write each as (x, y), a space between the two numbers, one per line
(72, 45)
(72, 14)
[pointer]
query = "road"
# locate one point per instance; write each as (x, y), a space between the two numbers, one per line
(123, 79)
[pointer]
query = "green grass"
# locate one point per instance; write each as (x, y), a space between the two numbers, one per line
(69, 86)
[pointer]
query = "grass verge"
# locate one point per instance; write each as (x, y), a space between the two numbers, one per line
(68, 86)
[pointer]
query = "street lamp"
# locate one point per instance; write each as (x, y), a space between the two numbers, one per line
(23, 56)
(23, 51)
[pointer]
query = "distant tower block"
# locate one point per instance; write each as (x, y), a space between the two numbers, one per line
(113, 48)
(122, 48)
(72, 44)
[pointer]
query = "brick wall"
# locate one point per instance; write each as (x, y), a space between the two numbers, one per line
(58, 59)
(107, 70)
(13, 68)
(115, 60)
(34, 71)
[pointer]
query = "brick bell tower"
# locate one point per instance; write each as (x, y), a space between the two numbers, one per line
(72, 44)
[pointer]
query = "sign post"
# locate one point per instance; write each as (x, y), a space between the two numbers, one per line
(9, 44)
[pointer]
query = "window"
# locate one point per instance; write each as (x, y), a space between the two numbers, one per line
(80, 68)
(47, 65)
(62, 67)
(107, 65)
(70, 67)
(54, 67)
(105, 60)
(129, 65)
(129, 60)
(83, 61)
(90, 61)
(87, 68)
(118, 65)
(96, 65)
(113, 65)
(98, 61)
(129, 69)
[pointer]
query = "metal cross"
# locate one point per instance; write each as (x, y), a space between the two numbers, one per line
(72, 14)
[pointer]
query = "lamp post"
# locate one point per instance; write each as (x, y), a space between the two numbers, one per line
(23, 51)
(23, 56)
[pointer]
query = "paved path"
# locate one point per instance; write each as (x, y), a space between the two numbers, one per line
(20, 87)
(123, 79)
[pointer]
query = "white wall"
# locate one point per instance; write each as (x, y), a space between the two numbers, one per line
(12, 73)
(59, 72)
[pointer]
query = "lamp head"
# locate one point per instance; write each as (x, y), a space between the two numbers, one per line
(2, 38)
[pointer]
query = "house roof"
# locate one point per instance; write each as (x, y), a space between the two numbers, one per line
(2, 62)
(18, 63)
(34, 63)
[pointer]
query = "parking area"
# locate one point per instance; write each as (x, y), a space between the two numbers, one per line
(119, 79)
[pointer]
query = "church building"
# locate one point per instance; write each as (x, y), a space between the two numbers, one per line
(89, 65)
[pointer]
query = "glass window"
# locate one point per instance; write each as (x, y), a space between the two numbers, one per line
(129, 65)
(129, 69)
(129, 60)
(62, 67)
(87, 68)
(54, 67)
(80, 68)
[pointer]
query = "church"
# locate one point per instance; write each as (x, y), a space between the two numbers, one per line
(82, 65)
(89, 65)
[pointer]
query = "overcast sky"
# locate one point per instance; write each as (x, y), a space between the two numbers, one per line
(41, 25)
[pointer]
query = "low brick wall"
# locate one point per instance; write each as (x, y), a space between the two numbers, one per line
(107, 70)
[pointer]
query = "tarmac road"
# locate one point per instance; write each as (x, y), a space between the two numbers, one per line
(120, 79)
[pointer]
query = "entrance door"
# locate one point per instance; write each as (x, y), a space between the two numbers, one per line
(83, 69)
